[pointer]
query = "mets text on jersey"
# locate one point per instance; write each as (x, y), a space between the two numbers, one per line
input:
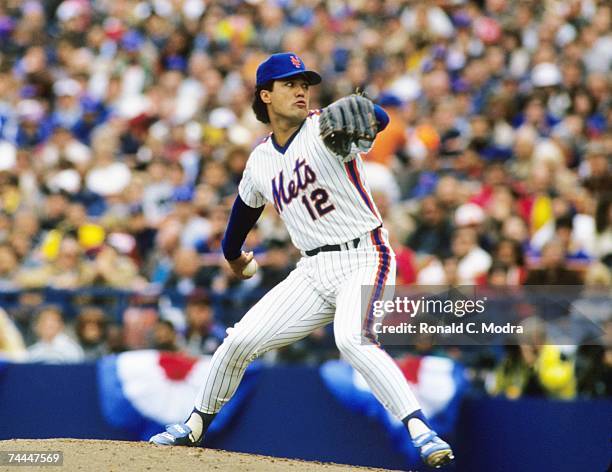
(304, 175)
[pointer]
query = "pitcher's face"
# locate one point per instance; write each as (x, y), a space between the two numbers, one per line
(288, 99)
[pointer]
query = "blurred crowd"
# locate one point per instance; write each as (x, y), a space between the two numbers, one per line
(125, 128)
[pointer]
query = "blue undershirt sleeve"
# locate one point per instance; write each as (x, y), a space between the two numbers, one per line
(241, 221)
(381, 117)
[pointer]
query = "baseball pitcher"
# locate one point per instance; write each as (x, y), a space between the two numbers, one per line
(310, 169)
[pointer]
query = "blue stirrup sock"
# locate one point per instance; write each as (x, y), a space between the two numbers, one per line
(199, 423)
(417, 424)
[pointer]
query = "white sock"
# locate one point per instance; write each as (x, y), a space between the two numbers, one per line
(196, 424)
(417, 427)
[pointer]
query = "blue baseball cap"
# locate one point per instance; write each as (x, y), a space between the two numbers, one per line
(283, 65)
(387, 99)
(182, 194)
(132, 41)
(175, 63)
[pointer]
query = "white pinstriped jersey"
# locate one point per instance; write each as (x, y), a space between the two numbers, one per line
(322, 198)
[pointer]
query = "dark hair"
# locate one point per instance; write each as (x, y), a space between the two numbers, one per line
(259, 107)
(198, 298)
(586, 94)
(564, 221)
(601, 214)
(90, 314)
(498, 267)
(519, 257)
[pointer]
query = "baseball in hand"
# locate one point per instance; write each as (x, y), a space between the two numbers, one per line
(250, 269)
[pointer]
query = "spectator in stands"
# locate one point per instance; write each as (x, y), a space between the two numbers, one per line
(217, 219)
(54, 207)
(563, 233)
(28, 224)
(473, 261)
(594, 371)
(433, 230)
(471, 215)
(110, 268)
(498, 275)
(115, 339)
(164, 337)
(216, 176)
(204, 334)
(9, 266)
(514, 375)
(515, 229)
(440, 271)
(603, 230)
(54, 345)
(91, 332)
(510, 254)
(187, 273)
(157, 193)
(167, 240)
(67, 268)
(390, 143)
(194, 228)
(552, 270)
(107, 176)
(599, 179)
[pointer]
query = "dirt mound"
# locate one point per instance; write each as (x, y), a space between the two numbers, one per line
(123, 456)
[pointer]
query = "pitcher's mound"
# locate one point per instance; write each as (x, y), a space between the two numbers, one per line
(124, 456)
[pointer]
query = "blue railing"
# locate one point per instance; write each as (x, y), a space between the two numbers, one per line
(228, 306)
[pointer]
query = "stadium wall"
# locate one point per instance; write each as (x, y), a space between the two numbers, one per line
(292, 414)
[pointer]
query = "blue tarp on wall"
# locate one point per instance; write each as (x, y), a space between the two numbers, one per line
(292, 414)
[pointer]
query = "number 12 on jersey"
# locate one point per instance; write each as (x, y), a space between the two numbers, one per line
(320, 200)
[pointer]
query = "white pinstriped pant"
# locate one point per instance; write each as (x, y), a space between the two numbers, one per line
(323, 288)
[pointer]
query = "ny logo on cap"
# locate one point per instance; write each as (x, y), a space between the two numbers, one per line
(296, 62)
